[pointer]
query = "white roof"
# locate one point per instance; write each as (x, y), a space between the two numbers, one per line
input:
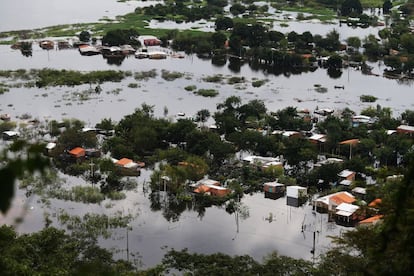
(274, 184)
(131, 165)
(318, 137)
(345, 182)
(216, 187)
(273, 163)
(254, 158)
(361, 119)
(296, 188)
(289, 133)
(391, 131)
(346, 209)
(405, 127)
(86, 129)
(50, 146)
(207, 182)
(11, 133)
(143, 37)
(359, 190)
(345, 173)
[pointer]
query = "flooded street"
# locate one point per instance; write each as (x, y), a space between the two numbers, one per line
(291, 229)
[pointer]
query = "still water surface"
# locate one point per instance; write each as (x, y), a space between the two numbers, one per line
(216, 230)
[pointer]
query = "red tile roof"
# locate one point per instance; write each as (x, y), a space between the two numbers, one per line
(78, 152)
(342, 198)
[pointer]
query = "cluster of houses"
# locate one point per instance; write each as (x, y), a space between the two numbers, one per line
(125, 166)
(340, 206)
(149, 48)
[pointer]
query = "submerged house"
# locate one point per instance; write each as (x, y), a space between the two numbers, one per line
(9, 135)
(128, 167)
(210, 187)
(274, 190)
(329, 202)
(262, 162)
(296, 195)
(77, 152)
(345, 214)
(149, 40)
(346, 177)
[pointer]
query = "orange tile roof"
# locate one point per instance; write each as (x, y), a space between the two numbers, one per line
(202, 189)
(371, 219)
(342, 198)
(123, 161)
(375, 203)
(78, 151)
(350, 141)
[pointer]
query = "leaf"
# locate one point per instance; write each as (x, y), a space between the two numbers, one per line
(6, 189)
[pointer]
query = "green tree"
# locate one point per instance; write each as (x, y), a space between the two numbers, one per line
(84, 36)
(386, 7)
(351, 7)
(218, 40)
(202, 116)
(223, 23)
(354, 41)
(119, 37)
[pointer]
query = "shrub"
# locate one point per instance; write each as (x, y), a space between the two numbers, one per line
(367, 98)
(207, 92)
(190, 87)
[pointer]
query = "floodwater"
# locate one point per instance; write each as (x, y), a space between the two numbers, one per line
(28, 14)
(118, 99)
(216, 230)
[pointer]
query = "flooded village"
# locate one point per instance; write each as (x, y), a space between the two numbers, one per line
(148, 145)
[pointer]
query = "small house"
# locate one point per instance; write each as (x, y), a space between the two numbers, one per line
(128, 167)
(263, 162)
(149, 40)
(274, 190)
(359, 192)
(404, 129)
(77, 153)
(210, 187)
(49, 148)
(345, 214)
(10, 135)
(296, 191)
(296, 195)
(346, 177)
(329, 202)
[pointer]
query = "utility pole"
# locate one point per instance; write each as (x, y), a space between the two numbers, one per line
(127, 243)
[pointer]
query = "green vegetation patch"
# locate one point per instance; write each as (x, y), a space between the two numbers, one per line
(170, 76)
(368, 99)
(234, 80)
(206, 92)
(79, 194)
(52, 77)
(94, 224)
(258, 83)
(215, 78)
(145, 75)
(190, 88)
